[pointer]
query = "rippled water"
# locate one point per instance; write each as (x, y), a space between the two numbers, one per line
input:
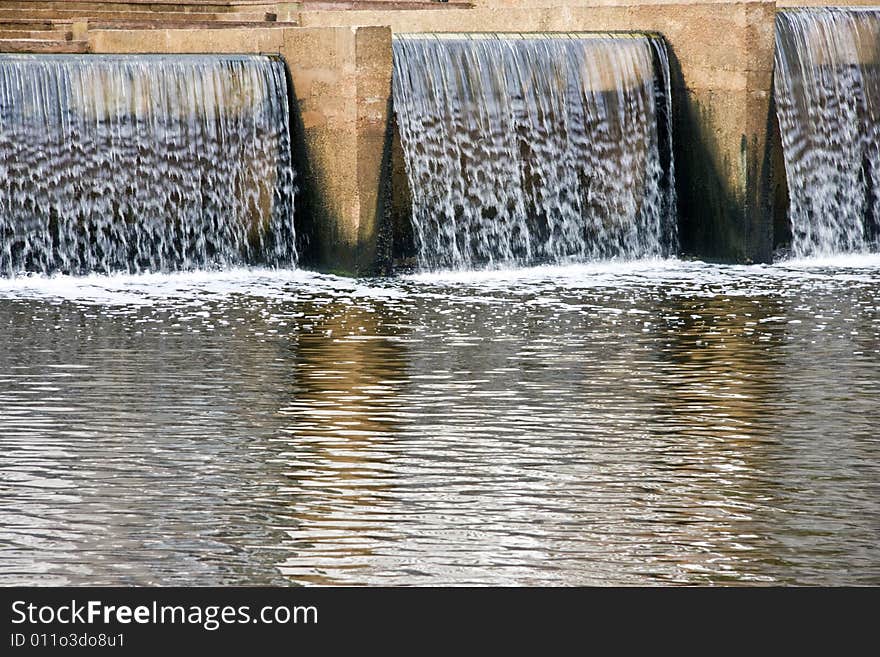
(660, 422)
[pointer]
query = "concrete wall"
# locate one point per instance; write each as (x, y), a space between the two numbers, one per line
(341, 80)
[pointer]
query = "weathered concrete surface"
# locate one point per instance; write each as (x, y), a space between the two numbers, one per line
(722, 57)
(341, 79)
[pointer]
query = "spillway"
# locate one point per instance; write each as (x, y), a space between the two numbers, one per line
(144, 163)
(827, 90)
(536, 148)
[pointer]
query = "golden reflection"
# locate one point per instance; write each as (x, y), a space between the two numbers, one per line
(722, 380)
(348, 367)
(721, 353)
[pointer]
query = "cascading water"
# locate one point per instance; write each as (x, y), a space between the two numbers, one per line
(536, 148)
(144, 163)
(827, 89)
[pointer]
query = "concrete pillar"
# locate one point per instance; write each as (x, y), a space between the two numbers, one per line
(342, 82)
(722, 61)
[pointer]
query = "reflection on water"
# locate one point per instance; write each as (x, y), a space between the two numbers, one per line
(660, 422)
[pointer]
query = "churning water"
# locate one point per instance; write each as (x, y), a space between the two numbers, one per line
(536, 148)
(828, 103)
(632, 423)
(143, 163)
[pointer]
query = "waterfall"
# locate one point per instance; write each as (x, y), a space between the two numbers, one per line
(827, 90)
(143, 163)
(536, 148)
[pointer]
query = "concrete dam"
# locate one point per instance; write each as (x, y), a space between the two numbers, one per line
(347, 137)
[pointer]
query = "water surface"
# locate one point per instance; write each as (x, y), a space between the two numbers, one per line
(662, 422)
